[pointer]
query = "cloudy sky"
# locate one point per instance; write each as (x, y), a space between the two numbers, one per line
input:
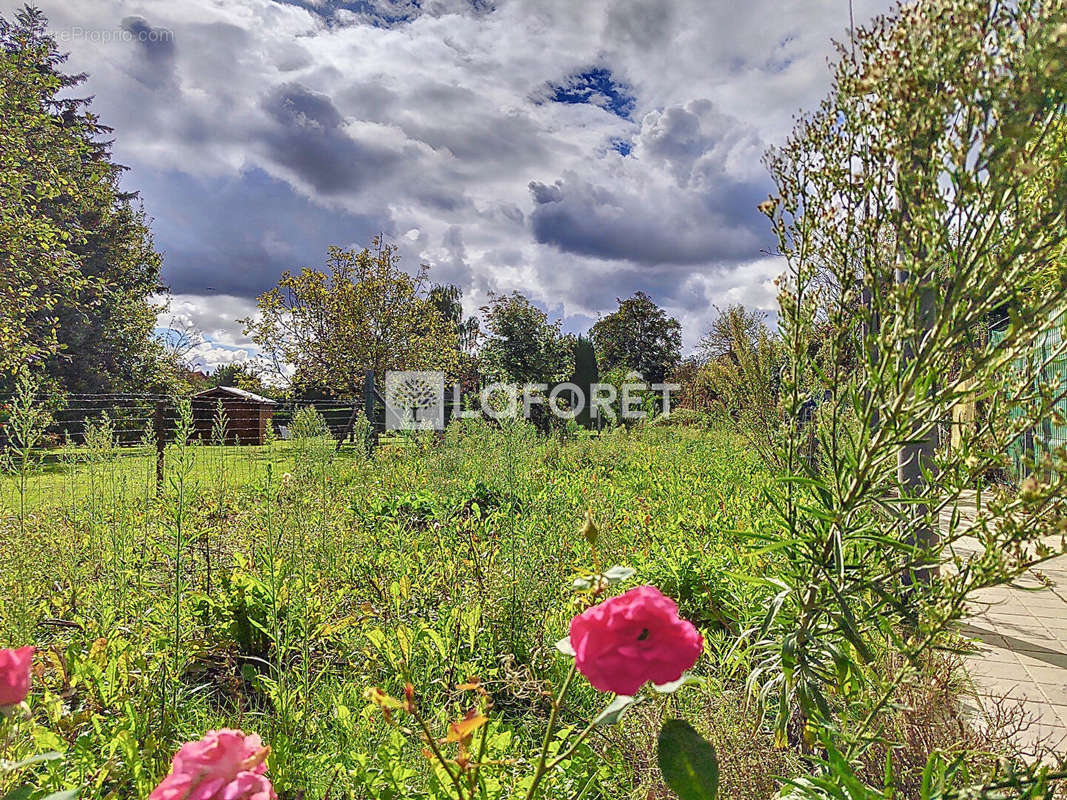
(574, 150)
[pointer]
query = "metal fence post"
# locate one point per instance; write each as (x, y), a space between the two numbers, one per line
(368, 406)
(159, 426)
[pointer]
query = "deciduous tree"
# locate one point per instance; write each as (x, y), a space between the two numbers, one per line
(240, 375)
(640, 337)
(447, 298)
(320, 330)
(522, 345)
(736, 324)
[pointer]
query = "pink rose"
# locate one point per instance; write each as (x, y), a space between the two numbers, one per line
(224, 765)
(633, 638)
(14, 675)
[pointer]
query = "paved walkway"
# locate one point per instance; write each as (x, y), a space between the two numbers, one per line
(1021, 639)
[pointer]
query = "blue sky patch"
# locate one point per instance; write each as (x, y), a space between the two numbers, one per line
(379, 13)
(596, 87)
(382, 15)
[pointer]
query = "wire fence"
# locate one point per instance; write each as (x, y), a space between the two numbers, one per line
(125, 441)
(135, 417)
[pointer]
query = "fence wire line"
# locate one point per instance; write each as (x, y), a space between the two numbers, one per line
(142, 429)
(131, 416)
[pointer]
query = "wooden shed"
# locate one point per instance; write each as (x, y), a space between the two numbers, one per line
(247, 415)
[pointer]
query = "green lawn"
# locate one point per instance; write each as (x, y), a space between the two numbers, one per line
(70, 476)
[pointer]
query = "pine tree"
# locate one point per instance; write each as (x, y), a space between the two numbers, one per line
(585, 375)
(78, 268)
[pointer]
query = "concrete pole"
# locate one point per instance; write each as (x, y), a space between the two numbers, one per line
(913, 458)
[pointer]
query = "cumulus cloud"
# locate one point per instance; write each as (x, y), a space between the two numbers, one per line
(208, 318)
(700, 145)
(574, 151)
(650, 224)
(209, 357)
(686, 194)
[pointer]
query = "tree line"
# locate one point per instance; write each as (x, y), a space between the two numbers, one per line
(319, 330)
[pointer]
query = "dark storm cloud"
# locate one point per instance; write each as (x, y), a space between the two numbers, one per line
(214, 237)
(619, 280)
(584, 218)
(309, 138)
(157, 43)
(158, 51)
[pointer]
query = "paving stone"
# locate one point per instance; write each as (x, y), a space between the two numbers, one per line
(1061, 712)
(1045, 601)
(1042, 659)
(1021, 637)
(996, 655)
(1017, 688)
(993, 669)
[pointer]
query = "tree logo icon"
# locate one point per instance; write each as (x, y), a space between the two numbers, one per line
(414, 401)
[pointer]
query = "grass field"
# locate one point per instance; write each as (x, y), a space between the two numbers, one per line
(72, 476)
(269, 588)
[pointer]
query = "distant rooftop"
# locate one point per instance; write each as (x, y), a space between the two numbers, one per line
(233, 390)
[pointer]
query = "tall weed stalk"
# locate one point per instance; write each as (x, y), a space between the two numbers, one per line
(909, 218)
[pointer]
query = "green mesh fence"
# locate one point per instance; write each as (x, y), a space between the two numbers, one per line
(1047, 436)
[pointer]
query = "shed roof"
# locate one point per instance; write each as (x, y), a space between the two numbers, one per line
(233, 391)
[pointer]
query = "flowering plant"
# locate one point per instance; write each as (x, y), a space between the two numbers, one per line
(14, 676)
(15, 666)
(633, 639)
(633, 645)
(224, 765)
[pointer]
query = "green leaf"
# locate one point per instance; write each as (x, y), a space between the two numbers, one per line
(617, 574)
(614, 713)
(674, 686)
(37, 759)
(68, 794)
(688, 763)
